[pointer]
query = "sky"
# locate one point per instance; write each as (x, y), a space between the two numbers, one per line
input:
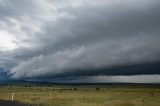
(96, 41)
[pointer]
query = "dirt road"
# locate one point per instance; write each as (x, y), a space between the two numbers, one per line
(10, 103)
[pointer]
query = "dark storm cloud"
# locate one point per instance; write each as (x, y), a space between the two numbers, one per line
(82, 38)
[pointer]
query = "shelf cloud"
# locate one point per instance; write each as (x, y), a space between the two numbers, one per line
(80, 39)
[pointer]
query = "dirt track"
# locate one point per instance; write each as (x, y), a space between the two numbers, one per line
(10, 103)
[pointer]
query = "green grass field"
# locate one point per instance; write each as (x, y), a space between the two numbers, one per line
(84, 95)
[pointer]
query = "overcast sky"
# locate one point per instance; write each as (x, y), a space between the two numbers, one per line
(80, 40)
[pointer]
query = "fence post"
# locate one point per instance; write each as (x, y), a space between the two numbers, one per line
(12, 96)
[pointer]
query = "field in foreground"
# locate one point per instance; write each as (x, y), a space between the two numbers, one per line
(83, 95)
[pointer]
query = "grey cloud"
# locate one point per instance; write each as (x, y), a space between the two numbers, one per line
(84, 37)
(71, 62)
(89, 24)
(103, 79)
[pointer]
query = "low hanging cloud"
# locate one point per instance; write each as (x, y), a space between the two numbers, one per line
(109, 79)
(62, 39)
(93, 60)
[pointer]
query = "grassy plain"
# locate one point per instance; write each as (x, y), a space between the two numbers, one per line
(83, 95)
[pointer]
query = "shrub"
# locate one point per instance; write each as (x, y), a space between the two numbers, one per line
(97, 89)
